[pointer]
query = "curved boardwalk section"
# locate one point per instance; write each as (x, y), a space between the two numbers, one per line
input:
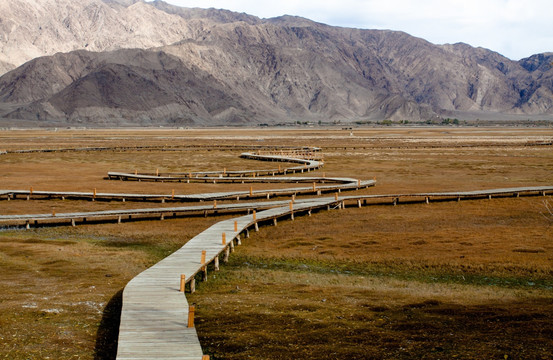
(155, 317)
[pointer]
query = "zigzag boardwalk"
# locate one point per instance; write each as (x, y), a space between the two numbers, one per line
(154, 317)
(156, 321)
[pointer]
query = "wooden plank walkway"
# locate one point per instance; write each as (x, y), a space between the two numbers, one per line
(161, 213)
(154, 315)
(335, 184)
(154, 318)
(156, 290)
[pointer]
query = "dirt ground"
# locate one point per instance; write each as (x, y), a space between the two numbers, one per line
(466, 280)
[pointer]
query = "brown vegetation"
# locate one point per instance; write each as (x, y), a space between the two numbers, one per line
(445, 280)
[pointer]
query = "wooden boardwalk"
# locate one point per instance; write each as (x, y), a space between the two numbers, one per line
(154, 316)
(155, 312)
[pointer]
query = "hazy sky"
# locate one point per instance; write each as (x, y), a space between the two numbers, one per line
(514, 28)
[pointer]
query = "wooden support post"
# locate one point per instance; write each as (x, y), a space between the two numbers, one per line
(215, 204)
(335, 196)
(358, 203)
(314, 187)
(358, 183)
(191, 310)
(192, 285)
(458, 198)
(204, 273)
(235, 226)
(27, 225)
(119, 219)
(216, 263)
(268, 196)
(256, 227)
(395, 201)
(238, 241)
(182, 282)
(319, 192)
(162, 216)
(224, 239)
(231, 246)
(543, 193)
(247, 233)
(202, 260)
(274, 221)
(342, 204)
(427, 200)
(489, 197)
(73, 222)
(226, 255)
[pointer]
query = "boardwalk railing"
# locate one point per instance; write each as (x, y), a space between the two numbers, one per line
(156, 317)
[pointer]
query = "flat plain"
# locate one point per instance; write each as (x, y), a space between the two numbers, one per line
(470, 279)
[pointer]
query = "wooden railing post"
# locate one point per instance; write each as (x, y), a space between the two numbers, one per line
(182, 282)
(224, 239)
(191, 310)
(235, 226)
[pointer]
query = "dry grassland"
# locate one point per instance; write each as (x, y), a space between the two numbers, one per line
(468, 280)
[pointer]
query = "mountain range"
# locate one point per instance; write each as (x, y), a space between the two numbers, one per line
(135, 63)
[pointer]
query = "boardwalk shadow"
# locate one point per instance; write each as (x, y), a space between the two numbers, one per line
(108, 331)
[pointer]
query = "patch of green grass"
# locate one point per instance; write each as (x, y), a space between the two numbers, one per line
(422, 273)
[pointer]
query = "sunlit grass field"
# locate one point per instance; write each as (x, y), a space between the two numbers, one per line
(469, 280)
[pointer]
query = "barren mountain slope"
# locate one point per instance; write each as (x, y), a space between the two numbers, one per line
(33, 28)
(226, 67)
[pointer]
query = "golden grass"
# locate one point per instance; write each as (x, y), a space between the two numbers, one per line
(376, 282)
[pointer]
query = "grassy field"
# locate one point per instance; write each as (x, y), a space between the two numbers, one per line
(468, 280)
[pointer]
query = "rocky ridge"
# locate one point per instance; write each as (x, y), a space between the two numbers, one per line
(158, 64)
